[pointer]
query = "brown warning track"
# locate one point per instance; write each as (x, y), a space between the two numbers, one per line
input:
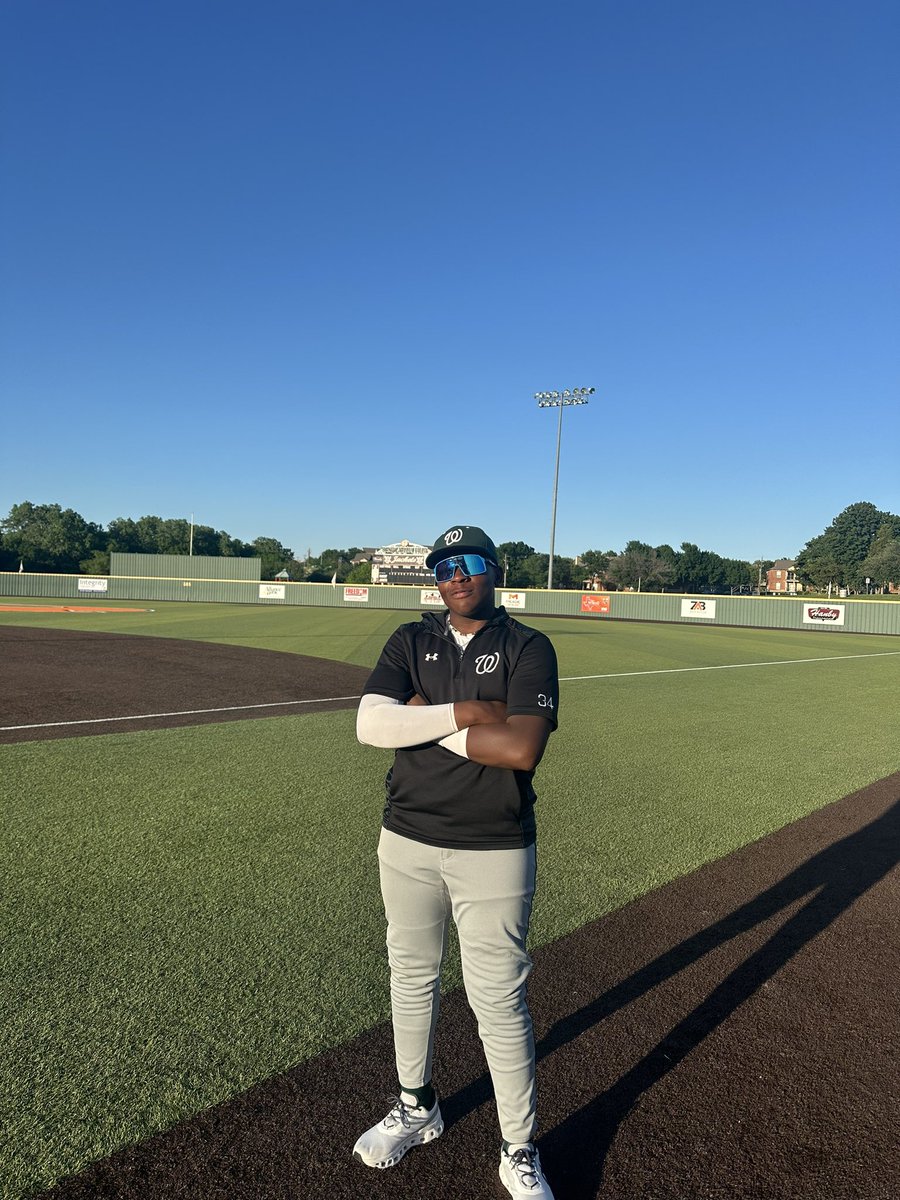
(731, 1036)
(65, 683)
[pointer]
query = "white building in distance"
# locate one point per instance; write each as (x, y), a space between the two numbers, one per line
(401, 562)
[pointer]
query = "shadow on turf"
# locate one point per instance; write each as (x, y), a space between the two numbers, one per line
(833, 879)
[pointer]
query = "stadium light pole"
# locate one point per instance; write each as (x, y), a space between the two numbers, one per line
(567, 399)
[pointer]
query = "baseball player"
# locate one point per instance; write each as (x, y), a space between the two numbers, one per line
(468, 698)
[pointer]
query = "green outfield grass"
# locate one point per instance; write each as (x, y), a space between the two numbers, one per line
(188, 911)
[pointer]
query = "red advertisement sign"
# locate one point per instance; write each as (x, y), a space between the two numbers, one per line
(592, 603)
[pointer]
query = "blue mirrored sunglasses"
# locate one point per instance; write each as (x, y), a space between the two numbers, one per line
(468, 564)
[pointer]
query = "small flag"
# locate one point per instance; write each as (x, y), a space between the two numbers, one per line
(21, 566)
(334, 579)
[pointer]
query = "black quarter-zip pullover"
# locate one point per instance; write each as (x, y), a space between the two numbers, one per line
(436, 796)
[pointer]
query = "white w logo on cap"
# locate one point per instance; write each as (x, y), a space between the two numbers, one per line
(452, 537)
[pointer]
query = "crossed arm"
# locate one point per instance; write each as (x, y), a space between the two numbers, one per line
(479, 730)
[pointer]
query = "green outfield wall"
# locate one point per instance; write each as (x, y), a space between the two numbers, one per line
(863, 615)
(184, 566)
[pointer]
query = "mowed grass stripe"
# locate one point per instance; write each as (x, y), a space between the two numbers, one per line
(189, 911)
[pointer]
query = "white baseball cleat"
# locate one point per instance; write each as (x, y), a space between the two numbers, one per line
(405, 1126)
(521, 1174)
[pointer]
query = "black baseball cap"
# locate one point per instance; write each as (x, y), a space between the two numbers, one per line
(462, 539)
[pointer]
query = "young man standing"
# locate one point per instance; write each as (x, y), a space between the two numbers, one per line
(468, 698)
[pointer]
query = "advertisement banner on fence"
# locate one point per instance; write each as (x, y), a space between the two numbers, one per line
(824, 614)
(592, 603)
(699, 608)
(93, 585)
(430, 596)
(359, 594)
(512, 599)
(271, 591)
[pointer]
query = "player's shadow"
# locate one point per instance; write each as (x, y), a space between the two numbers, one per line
(832, 879)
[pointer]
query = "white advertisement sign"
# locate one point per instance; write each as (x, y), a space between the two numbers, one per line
(271, 591)
(359, 594)
(93, 585)
(512, 599)
(430, 596)
(699, 608)
(824, 614)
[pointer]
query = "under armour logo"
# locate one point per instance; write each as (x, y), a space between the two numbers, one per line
(485, 663)
(452, 536)
(431, 658)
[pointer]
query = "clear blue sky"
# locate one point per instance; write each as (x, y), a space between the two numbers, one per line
(298, 268)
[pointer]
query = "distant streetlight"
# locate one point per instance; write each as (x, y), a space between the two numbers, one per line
(560, 400)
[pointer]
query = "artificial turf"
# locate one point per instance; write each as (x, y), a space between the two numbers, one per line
(188, 911)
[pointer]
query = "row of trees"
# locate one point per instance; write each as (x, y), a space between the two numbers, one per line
(332, 564)
(46, 537)
(688, 569)
(861, 542)
(639, 566)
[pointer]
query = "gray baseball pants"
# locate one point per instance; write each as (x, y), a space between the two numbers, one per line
(488, 893)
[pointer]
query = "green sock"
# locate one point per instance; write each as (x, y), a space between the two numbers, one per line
(424, 1095)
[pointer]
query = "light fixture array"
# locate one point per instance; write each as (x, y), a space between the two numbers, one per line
(558, 399)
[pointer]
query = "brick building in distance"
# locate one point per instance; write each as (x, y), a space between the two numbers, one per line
(782, 577)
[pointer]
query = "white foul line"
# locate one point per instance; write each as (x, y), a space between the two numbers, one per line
(778, 662)
(188, 712)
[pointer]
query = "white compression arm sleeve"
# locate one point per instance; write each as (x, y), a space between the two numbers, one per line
(456, 742)
(381, 721)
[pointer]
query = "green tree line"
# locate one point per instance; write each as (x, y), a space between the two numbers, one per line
(47, 537)
(638, 566)
(861, 542)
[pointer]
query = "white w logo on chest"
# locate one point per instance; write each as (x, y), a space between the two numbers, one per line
(485, 663)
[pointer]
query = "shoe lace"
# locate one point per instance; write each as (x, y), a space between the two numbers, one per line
(399, 1113)
(522, 1162)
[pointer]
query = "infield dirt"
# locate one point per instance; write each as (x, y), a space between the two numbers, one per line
(62, 683)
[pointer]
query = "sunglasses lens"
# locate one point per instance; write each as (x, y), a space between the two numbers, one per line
(444, 570)
(468, 564)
